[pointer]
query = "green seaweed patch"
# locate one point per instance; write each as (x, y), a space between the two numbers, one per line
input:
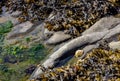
(5, 27)
(28, 39)
(37, 52)
(19, 58)
(22, 53)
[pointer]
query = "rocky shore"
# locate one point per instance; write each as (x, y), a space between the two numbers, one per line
(82, 37)
(100, 35)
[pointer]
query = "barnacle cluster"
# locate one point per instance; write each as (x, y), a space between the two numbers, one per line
(99, 65)
(73, 16)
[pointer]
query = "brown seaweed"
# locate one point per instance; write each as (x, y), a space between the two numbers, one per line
(99, 65)
(73, 16)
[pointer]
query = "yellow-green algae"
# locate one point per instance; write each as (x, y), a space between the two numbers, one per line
(16, 59)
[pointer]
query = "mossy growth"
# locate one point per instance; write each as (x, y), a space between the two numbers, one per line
(21, 52)
(18, 58)
(15, 59)
(5, 27)
(28, 39)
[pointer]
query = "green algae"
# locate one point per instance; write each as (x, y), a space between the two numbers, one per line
(5, 27)
(19, 59)
(15, 59)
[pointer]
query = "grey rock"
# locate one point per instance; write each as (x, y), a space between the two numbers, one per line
(101, 30)
(3, 19)
(76, 43)
(47, 33)
(113, 32)
(20, 30)
(88, 48)
(16, 13)
(114, 45)
(103, 24)
(69, 47)
(50, 62)
(7, 17)
(37, 71)
(57, 38)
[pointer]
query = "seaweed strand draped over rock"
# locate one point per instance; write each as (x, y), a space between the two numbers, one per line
(73, 16)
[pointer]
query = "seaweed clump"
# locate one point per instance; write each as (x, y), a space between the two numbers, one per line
(99, 65)
(73, 16)
(2, 3)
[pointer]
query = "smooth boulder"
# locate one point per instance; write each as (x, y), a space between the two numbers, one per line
(7, 17)
(76, 43)
(69, 47)
(113, 32)
(57, 38)
(20, 30)
(88, 48)
(114, 45)
(103, 24)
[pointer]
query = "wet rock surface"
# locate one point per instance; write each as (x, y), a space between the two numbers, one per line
(57, 38)
(21, 29)
(114, 31)
(106, 23)
(7, 17)
(69, 49)
(114, 45)
(3, 19)
(76, 18)
(86, 42)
